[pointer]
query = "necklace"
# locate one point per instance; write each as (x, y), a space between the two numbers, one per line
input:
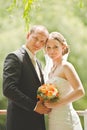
(53, 68)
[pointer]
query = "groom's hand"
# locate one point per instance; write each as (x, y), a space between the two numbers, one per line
(41, 109)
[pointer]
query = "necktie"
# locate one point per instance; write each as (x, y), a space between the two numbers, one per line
(40, 72)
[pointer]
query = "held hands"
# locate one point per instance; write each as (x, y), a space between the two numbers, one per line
(41, 108)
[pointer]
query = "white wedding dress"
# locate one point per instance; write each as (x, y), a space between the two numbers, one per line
(64, 117)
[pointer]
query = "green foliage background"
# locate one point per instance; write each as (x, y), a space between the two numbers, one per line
(66, 16)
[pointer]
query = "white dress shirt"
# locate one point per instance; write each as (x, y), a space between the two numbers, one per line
(33, 59)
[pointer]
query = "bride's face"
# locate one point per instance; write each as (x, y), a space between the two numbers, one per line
(54, 49)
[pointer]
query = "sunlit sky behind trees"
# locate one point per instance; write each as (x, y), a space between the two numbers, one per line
(65, 16)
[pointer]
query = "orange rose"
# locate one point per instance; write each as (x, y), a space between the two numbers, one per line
(47, 92)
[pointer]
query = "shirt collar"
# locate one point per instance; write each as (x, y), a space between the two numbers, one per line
(32, 56)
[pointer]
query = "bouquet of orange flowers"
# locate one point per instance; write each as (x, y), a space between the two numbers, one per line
(48, 92)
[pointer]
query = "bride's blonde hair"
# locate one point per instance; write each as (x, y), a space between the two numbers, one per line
(59, 37)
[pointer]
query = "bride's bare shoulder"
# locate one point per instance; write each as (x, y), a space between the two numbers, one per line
(68, 66)
(67, 63)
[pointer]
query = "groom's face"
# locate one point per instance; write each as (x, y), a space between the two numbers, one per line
(36, 41)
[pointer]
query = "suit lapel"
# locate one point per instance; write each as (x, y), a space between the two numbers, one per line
(32, 67)
(41, 74)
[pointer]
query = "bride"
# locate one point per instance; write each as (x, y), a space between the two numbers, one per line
(63, 116)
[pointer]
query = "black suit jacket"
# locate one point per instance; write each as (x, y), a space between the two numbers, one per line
(20, 84)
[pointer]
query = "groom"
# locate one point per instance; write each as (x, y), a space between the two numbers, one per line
(21, 79)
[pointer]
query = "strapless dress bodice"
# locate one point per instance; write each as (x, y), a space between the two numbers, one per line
(62, 85)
